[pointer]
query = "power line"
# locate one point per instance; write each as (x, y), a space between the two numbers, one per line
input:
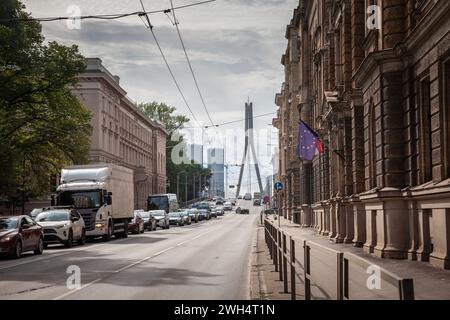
(235, 121)
(150, 26)
(112, 16)
(189, 62)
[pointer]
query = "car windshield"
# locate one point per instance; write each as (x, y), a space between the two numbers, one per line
(53, 216)
(81, 199)
(203, 206)
(144, 214)
(8, 223)
(174, 214)
(157, 213)
(158, 203)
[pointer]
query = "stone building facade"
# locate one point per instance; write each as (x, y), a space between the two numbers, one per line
(122, 134)
(379, 96)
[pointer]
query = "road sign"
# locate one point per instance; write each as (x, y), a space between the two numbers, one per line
(279, 186)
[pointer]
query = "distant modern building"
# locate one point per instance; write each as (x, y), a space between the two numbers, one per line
(122, 134)
(216, 163)
(196, 153)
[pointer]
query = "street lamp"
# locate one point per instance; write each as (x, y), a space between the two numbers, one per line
(178, 184)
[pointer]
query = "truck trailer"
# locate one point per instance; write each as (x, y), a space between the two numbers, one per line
(104, 196)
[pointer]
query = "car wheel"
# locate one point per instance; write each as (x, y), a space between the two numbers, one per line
(40, 247)
(82, 240)
(17, 250)
(69, 241)
(45, 245)
(168, 226)
(107, 237)
(150, 228)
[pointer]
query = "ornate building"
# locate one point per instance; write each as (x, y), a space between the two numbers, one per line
(122, 134)
(374, 82)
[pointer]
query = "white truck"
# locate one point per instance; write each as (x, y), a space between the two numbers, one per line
(104, 196)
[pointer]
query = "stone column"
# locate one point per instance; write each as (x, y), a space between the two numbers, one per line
(422, 242)
(333, 220)
(392, 230)
(359, 223)
(349, 223)
(440, 226)
(326, 213)
(371, 230)
(414, 241)
(340, 223)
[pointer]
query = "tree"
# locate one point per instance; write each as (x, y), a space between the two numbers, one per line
(173, 123)
(42, 124)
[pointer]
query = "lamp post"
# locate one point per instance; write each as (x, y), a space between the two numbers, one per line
(178, 183)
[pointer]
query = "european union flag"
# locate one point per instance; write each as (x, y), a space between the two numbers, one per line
(308, 142)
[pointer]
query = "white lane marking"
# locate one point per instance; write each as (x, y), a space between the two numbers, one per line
(76, 290)
(203, 234)
(161, 252)
(181, 243)
(51, 256)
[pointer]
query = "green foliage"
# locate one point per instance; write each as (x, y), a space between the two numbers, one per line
(193, 172)
(164, 113)
(43, 126)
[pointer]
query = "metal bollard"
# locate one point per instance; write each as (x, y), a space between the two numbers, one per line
(293, 292)
(285, 275)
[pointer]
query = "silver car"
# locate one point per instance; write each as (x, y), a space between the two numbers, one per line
(62, 226)
(161, 218)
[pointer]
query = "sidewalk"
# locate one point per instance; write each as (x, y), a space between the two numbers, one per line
(429, 282)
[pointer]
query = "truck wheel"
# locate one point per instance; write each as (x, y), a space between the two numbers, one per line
(125, 230)
(107, 237)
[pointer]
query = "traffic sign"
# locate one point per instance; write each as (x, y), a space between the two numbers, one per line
(279, 186)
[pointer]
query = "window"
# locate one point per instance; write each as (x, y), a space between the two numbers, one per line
(425, 136)
(446, 110)
(372, 165)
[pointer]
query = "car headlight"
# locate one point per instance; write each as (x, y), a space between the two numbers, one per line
(99, 225)
(6, 239)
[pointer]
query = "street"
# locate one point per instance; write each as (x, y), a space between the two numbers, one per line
(208, 260)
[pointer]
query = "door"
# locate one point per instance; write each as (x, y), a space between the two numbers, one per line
(35, 232)
(77, 224)
(27, 234)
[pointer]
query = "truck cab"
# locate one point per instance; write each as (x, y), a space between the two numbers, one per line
(104, 196)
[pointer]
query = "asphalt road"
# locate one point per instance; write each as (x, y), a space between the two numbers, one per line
(208, 260)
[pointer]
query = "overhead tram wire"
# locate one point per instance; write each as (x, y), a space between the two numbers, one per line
(176, 23)
(112, 16)
(235, 121)
(150, 27)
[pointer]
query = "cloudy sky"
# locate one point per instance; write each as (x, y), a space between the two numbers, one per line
(235, 48)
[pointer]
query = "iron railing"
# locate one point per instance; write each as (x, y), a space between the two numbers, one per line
(333, 274)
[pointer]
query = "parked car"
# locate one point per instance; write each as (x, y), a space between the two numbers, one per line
(33, 214)
(204, 205)
(227, 206)
(239, 210)
(149, 220)
(219, 201)
(63, 226)
(257, 202)
(19, 234)
(186, 217)
(239, 197)
(137, 224)
(161, 218)
(213, 213)
(220, 212)
(204, 214)
(176, 218)
(193, 213)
